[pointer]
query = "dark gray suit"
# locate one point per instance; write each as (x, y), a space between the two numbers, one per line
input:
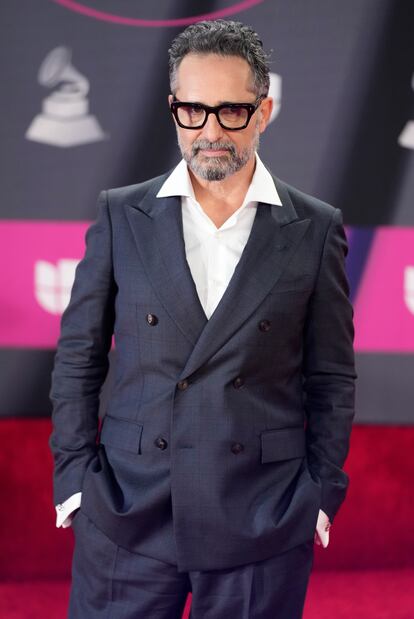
(239, 425)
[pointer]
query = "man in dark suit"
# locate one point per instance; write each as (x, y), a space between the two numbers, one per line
(219, 461)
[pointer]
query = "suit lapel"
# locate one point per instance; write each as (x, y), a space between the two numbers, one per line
(275, 235)
(157, 227)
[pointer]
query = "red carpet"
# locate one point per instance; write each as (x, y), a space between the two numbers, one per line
(382, 594)
(367, 571)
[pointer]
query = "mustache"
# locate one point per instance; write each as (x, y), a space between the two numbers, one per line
(206, 145)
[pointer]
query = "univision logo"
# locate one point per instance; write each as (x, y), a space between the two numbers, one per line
(141, 14)
(53, 284)
(409, 288)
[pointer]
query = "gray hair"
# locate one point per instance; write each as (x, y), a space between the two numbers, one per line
(225, 38)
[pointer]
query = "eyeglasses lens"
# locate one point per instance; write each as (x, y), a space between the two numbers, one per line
(233, 117)
(194, 115)
(191, 115)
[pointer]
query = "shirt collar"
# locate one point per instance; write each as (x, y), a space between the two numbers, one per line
(261, 189)
(178, 183)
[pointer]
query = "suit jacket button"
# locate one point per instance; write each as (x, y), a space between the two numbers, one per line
(264, 325)
(182, 385)
(152, 319)
(161, 443)
(237, 448)
(238, 382)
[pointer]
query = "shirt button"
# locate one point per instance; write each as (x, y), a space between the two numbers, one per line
(152, 319)
(182, 385)
(265, 325)
(161, 443)
(238, 382)
(60, 507)
(237, 448)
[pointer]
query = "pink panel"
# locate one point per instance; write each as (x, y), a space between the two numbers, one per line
(38, 260)
(384, 308)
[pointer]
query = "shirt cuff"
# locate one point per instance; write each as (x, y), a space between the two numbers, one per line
(321, 526)
(65, 509)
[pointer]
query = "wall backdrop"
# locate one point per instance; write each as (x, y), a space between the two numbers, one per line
(83, 103)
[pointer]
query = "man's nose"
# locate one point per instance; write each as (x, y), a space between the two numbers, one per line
(212, 130)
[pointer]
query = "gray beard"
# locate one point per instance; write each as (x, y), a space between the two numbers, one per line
(217, 168)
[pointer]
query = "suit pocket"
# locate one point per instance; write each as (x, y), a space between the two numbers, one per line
(283, 444)
(121, 433)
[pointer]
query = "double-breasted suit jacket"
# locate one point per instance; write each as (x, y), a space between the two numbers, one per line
(222, 438)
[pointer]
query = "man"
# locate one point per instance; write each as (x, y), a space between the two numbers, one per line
(228, 423)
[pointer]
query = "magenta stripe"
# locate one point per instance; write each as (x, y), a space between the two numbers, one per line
(29, 296)
(384, 306)
(154, 23)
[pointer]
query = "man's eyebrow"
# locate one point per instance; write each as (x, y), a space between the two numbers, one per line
(230, 102)
(219, 103)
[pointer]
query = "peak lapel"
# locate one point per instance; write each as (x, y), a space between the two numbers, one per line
(275, 235)
(157, 228)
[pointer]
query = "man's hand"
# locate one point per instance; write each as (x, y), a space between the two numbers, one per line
(323, 526)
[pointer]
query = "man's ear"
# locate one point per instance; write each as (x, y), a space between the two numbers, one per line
(265, 113)
(170, 100)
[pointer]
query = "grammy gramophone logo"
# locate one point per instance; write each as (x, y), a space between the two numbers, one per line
(65, 120)
(406, 137)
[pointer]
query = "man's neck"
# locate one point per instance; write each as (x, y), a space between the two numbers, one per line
(222, 198)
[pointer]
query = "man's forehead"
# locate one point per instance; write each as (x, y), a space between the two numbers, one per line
(214, 62)
(226, 78)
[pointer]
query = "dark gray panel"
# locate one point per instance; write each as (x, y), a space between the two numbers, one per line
(25, 383)
(346, 94)
(385, 389)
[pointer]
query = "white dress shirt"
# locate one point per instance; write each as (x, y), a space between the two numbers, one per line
(212, 254)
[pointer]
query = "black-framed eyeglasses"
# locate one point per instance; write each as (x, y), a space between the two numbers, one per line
(230, 116)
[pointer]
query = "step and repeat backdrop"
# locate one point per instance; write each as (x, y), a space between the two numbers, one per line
(84, 88)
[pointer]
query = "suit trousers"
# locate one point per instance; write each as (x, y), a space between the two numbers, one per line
(109, 582)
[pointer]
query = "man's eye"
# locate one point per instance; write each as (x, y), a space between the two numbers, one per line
(232, 111)
(193, 110)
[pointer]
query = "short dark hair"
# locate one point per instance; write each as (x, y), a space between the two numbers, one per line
(225, 38)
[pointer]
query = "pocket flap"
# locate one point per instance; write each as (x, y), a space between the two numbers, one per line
(121, 433)
(283, 444)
